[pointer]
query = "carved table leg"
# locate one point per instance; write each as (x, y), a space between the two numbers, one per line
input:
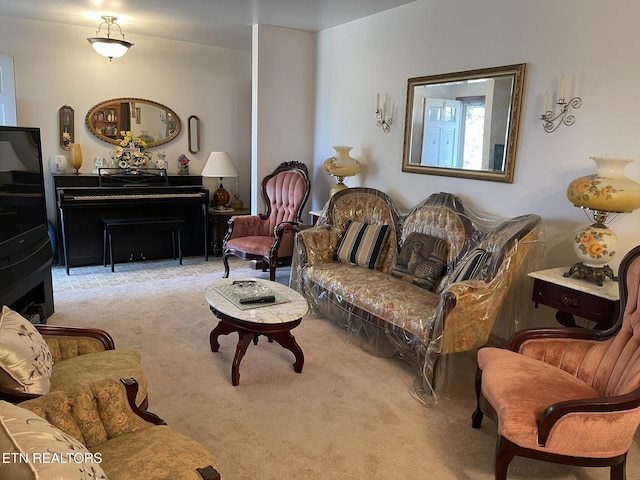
(223, 328)
(288, 341)
(244, 339)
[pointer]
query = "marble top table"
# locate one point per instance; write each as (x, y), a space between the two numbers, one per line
(576, 297)
(275, 321)
(608, 290)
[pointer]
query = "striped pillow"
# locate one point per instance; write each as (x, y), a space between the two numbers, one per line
(362, 244)
(473, 266)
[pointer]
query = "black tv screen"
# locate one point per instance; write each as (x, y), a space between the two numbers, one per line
(22, 201)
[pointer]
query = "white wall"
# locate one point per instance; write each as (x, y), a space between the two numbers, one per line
(593, 43)
(283, 101)
(56, 66)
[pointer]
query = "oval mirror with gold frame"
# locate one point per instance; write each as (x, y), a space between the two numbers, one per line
(153, 122)
(464, 124)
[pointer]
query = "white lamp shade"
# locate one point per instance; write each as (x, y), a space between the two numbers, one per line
(219, 165)
(109, 47)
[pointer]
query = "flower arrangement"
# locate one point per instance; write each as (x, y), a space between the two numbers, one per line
(130, 152)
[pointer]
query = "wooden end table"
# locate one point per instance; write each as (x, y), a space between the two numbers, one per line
(273, 321)
(576, 296)
(219, 224)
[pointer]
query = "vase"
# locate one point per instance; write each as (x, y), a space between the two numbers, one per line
(340, 166)
(57, 163)
(75, 156)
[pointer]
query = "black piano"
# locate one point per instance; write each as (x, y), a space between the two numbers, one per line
(83, 202)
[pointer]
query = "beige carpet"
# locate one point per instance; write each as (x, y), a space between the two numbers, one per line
(348, 415)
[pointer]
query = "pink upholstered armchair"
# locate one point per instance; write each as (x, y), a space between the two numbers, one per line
(269, 236)
(567, 395)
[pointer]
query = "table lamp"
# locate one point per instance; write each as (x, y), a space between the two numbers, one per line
(340, 166)
(606, 192)
(219, 165)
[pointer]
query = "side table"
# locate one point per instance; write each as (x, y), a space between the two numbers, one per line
(218, 222)
(576, 296)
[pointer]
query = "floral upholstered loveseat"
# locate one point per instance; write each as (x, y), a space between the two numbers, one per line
(423, 284)
(95, 431)
(36, 359)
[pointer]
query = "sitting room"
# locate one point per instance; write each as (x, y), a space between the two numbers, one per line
(371, 366)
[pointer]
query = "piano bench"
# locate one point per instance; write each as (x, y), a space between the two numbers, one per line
(117, 226)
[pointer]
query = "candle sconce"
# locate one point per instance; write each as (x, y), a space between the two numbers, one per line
(564, 116)
(551, 120)
(382, 120)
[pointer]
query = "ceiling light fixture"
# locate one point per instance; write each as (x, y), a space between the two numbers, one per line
(107, 46)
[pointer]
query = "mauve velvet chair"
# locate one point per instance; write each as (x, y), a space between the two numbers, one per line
(567, 395)
(268, 237)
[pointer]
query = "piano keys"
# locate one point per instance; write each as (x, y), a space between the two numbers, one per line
(82, 205)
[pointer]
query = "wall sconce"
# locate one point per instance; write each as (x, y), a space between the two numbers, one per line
(549, 118)
(381, 116)
(107, 46)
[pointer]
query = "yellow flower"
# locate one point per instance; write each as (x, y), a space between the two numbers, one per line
(586, 238)
(595, 249)
(580, 187)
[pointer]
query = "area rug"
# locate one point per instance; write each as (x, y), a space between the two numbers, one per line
(348, 415)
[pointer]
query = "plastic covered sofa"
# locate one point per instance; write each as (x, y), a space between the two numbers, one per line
(418, 285)
(95, 431)
(36, 359)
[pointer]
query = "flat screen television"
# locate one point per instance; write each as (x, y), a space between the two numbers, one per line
(23, 218)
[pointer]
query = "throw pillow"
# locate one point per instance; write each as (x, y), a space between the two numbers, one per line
(32, 448)
(473, 266)
(25, 359)
(362, 244)
(421, 260)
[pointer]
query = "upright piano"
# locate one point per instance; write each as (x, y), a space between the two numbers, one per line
(83, 201)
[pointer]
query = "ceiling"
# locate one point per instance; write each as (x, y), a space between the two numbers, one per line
(223, 23)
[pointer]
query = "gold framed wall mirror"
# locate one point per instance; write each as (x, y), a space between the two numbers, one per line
(464, 124)
(153, 122)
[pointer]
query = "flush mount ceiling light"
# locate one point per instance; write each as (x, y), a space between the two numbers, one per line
(107, 46)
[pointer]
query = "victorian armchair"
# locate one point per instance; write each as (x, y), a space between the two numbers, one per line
(268, 237)
(567, 395)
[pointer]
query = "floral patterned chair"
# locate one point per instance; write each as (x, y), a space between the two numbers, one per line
(100, 433)
(36, 359)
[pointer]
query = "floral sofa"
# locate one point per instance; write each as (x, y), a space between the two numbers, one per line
(95, 431)
(418, 285)
(36, 359)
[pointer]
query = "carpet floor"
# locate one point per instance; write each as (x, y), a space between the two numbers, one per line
(348, 415)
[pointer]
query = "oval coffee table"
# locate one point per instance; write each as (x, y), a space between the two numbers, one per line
(274, 321)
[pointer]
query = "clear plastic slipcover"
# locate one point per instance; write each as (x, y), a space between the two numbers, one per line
(481, 298)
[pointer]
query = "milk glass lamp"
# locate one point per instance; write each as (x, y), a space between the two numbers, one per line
(340, 166)
(606, 192)
(219, 165)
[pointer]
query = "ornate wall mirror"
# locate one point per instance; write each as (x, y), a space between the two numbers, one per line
(153, 122)
(193, 127)
(66, 123)
(464, 124)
